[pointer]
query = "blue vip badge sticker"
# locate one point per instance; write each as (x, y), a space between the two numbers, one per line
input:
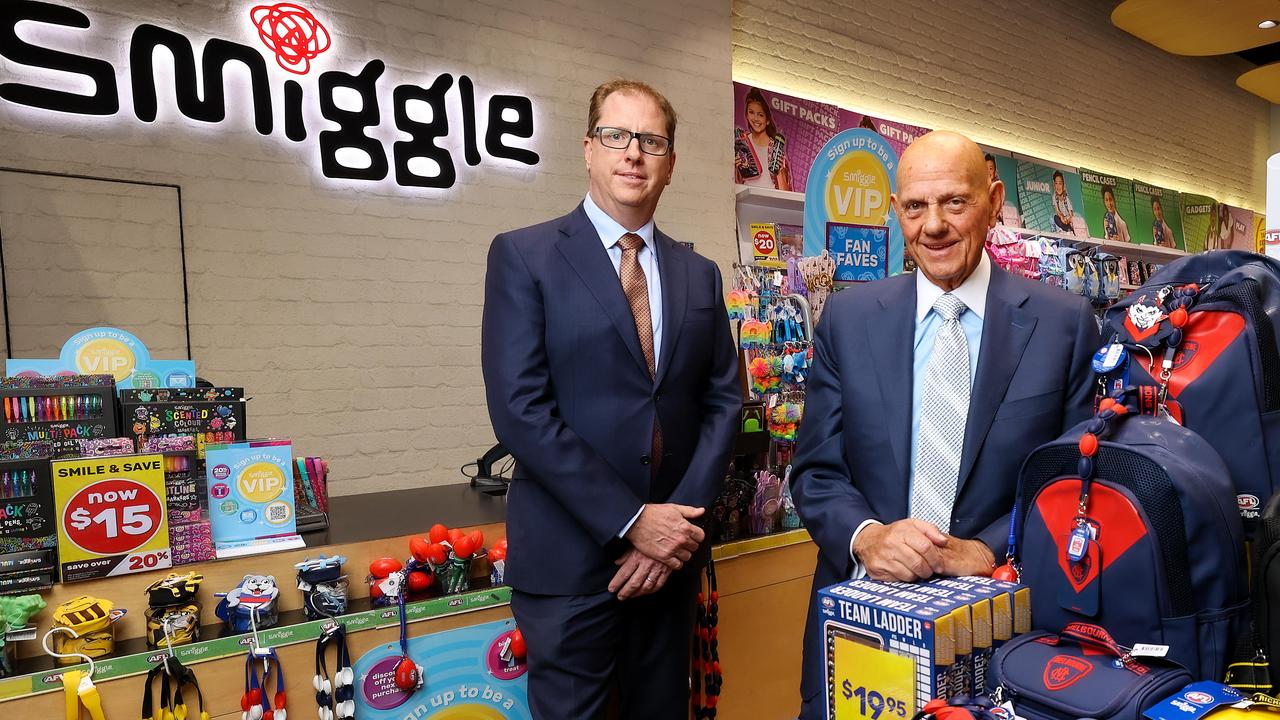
(1109, 357)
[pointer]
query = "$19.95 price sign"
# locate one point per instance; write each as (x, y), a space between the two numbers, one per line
(871, 683)
(111, 516)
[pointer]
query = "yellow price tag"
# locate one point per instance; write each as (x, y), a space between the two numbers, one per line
(872, 683)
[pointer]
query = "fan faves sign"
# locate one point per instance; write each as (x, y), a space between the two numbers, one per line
(52, 46)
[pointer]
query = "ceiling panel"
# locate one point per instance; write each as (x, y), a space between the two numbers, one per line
(1199, 27)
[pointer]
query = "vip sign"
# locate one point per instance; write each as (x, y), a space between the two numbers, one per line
(431, 118)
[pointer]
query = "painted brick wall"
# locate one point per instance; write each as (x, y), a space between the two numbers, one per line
(1052, 79)
(351, 311)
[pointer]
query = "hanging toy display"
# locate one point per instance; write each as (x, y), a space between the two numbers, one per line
(173, 610)
(766, 374)
(766, 503)
(819, 276)
(173, 674)
(250, 605)
(790, 518)
(706, 677)
(336, 697)
(323, 586)
(784, 418)
(258, 701)
(93, 622)
(754, 333)
(740, 304)
(408, 674)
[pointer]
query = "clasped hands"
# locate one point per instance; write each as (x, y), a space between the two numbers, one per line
(662, 540)
(910, 550)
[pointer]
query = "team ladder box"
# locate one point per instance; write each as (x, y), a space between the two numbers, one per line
(891, 647)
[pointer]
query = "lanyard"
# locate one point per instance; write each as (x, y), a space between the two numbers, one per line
(336, 700)
(79, 689)
(254, 703)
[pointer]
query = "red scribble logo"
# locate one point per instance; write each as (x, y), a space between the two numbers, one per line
(292, 33)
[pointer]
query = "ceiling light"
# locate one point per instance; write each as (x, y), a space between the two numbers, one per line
(1267, 24)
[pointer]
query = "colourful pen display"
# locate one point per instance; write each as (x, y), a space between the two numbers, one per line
(50, 408)
(17, 484)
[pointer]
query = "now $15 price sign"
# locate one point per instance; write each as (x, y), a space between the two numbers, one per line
(111, 516)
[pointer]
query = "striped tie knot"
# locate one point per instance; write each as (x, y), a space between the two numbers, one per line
(949, 307)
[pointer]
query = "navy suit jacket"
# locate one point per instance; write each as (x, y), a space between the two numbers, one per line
(570, 396)
(853, 453)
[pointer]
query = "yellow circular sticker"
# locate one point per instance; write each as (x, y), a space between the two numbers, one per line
(105, 356)
(859, 191)
(261, 482)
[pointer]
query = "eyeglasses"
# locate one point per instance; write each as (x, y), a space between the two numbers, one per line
(619, 139)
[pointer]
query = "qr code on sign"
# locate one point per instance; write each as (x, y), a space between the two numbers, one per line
(277, 513)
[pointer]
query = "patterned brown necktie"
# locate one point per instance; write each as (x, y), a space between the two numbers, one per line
(636, 287)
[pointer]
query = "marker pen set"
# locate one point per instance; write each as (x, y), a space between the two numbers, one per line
(49, 408)
(178, 464)
(28, 518)
(15, 484)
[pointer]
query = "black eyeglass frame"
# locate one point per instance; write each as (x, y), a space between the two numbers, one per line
(598, 133)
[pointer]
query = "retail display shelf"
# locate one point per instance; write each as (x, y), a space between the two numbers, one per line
(49, 679)
(768, 197)
(1148, 253)
(737, 548)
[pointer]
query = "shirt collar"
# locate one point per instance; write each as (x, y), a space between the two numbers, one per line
(610, 230)
(972, 292)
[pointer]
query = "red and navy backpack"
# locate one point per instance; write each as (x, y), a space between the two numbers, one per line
(1129, 522)
(1200, 338)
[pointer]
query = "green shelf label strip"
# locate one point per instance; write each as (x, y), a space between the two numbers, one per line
(224, 647)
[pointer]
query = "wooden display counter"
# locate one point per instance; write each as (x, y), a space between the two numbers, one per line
(764, 593)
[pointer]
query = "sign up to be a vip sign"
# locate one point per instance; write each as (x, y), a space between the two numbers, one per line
(345, 113)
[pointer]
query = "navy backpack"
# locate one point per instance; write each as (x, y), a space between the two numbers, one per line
(1129, 522)
(1200, 338)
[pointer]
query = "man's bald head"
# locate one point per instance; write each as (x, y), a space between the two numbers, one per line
(945, 202)
(943, 149)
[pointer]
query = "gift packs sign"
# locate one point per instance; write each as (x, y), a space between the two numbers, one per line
(111, 516)
(850, 184)
(250, 487)
(1108, 205)
(109, 351)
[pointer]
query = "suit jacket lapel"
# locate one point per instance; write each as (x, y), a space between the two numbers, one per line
(581, 247)
(889, 335)
(673, 268)
(1005, 332)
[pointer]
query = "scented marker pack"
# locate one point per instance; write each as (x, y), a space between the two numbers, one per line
(210, 415)
(62, 410)
(28, 519)
(190, 531)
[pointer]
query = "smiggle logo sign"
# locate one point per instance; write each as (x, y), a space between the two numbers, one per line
(412, 130)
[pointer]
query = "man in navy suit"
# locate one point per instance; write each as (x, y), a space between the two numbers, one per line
(928, 391)
(612, 376)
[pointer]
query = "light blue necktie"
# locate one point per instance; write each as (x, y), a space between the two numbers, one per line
(944, 408)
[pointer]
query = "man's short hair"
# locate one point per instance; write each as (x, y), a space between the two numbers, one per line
(629, 86)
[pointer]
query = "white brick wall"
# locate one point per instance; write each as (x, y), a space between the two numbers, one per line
(1051, 78)
(351, 311)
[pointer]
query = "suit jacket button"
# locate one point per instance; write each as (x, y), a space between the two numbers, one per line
(657, 398)
(644, 459)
